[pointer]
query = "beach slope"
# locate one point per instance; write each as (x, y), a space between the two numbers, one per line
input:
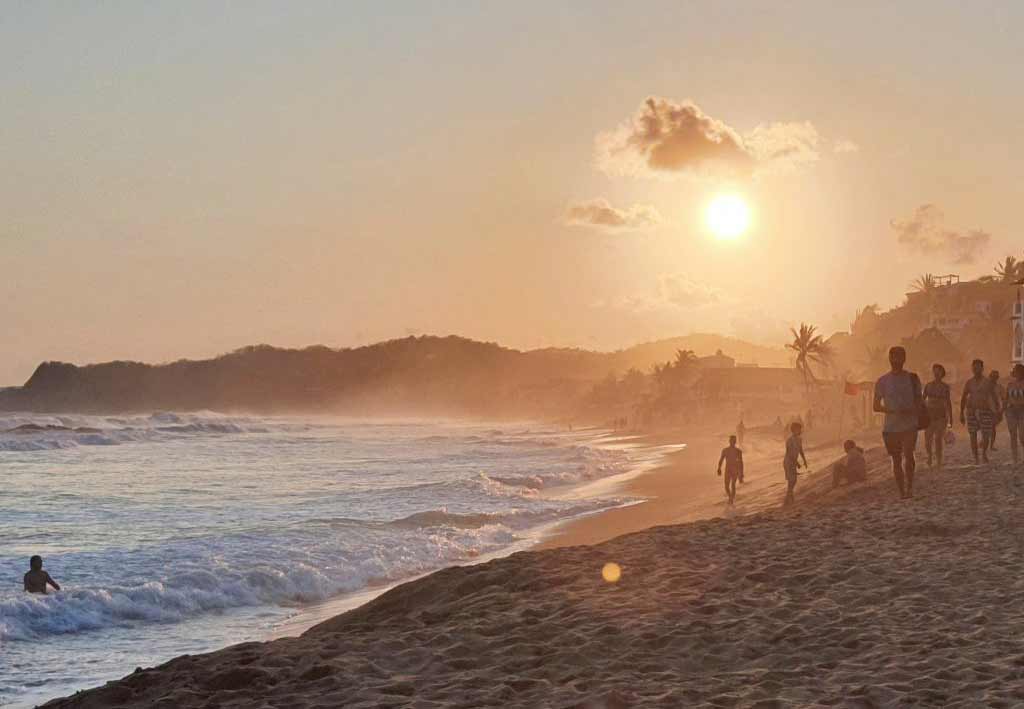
(851, 598)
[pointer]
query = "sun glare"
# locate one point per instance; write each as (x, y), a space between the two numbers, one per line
(727, 216)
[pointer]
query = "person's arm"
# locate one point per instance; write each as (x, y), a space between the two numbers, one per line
(720, 459)
(49, 580)
(802, 454)
(963, 402)
(878, 402)
(25, 581)
(740, 456)
(949, 406)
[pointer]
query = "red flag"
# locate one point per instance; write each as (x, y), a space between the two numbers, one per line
(851, 389)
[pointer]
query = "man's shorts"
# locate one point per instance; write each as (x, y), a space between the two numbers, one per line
(900, 442)
(790, 470)
(983, 420)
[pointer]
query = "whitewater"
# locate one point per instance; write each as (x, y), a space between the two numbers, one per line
(180, 533)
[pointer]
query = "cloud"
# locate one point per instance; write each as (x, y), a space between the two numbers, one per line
(845, 146)
(669, 138)
(599, 214)
(925, 233)
(669, 292)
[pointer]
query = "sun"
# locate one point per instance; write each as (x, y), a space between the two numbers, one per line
(727, 216)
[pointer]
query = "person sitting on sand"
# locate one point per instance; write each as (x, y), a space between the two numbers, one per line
(733, 459)
(898, 395)
(36, 579)
(853, 468)
(940, 413)
(1015, 409)
(978, 408)
(791, 463)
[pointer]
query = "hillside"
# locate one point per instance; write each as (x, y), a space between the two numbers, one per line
(421, 375)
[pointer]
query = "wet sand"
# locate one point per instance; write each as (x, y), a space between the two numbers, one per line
(850, 598)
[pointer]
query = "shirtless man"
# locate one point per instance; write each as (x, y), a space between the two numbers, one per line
(733, 459)
(36, 579)
(1000, 393)
(978, 407)
(940, 413)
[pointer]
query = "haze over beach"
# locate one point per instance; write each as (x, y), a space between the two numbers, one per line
(511, 354)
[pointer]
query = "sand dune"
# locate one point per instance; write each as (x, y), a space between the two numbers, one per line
(853, 598)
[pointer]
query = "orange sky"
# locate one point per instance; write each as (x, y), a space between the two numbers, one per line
(182, 179)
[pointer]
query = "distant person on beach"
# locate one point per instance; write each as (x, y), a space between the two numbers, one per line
(733, 459)
(898, 396)
(852, 468)
(999, 392)
(740, 431)
(36, 579)
(940, 414)
(1015, 409)
(978, 408)
(791, 463)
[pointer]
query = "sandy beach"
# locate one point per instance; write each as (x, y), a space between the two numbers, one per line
(851, 598)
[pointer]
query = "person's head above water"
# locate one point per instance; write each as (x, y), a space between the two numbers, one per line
(732, 440)
(35, 563)
(978, 367)
(939, 371)
(897, 358)
(796, 428)
(849, 445)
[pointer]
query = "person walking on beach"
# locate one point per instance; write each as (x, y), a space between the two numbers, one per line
(999, 392)
(1014, 411)
(898, 396)
(940, 414)
(741, 429)
(733, 459)
(791, 463)
(978, 410)
(36, 579)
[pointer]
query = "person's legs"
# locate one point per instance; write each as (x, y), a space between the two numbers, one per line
(893, 445)
(985, 420)
(1013, 427)
(909, 463)
(929, 437)
(972, 432)
(940, 444)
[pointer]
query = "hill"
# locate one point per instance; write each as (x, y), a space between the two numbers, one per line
(416, 375)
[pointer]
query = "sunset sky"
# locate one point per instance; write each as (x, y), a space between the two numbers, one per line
(181, 179)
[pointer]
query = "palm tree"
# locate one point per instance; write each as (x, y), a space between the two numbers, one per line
(925, 283)
(1010, 269)
(810, 348)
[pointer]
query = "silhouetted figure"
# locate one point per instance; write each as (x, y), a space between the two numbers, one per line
(1000, 396)
(940, 414)
(898, 396)
(791, 463)
(733, 459)
(1015, 409)
(852, 468)
(740, 431)
(978, 409)
(36, 579)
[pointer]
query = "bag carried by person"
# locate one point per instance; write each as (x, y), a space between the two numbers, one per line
(924, 419)
(949, 438)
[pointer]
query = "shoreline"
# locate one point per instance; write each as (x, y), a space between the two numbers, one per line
(782, 607)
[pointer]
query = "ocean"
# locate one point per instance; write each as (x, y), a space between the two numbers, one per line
(182, 533)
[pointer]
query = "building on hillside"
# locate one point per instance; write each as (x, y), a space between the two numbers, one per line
(718, 360)
(751, 388)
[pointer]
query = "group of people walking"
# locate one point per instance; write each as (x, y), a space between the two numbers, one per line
(909, 408)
